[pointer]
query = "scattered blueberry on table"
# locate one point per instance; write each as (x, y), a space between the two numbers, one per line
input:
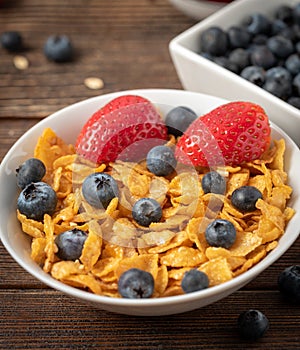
(58, 48)
(264, 50)
(11, 41)
(289, 283)
(252, 324)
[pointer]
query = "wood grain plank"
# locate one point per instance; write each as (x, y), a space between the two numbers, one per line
(109, 41)
(70, 324)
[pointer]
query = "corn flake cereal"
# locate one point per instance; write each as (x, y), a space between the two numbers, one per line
(168, 248)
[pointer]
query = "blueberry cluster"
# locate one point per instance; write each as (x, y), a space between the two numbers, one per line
(264, 50)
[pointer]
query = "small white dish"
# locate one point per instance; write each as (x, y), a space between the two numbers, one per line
(199, 74)
(67, 123)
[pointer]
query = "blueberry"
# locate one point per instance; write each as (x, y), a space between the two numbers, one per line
(292, 63)
(280, 46)
(58, 48)
(296, 31)
(220, 233)
(179, 119)
(278, 26)
(289, 33)
(294, 101)
(225, 63)
(214, 40)
(297, 47)
(257, 23)
(136, 284)
(296, 13)
(213, 182)
(262, 56)
(240, 57)
(206, 55)
(282, 91)
(99, 189)
(278, 82)
(285, 14)
(146, 210)
(161, 160)
(32, 170)
(279, 74)
(244, 198)
(254, 74)
(36, 200)
(289, 283)
(70, 244)
(259, 39)
(252, 324)
(296, 84)
(194, 280)
(238, 37)
(11, 41)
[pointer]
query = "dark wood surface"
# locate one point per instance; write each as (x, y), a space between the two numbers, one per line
(125, 43)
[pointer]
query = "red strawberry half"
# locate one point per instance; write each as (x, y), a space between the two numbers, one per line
(231, 134)
(126, 128)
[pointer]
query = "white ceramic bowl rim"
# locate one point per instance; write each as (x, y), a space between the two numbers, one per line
(152, 302)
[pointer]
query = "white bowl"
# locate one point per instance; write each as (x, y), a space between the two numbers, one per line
(197, 9)
(199, 74)
(67, 124)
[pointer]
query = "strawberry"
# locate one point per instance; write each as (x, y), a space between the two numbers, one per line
(125, 128)
(231, 134)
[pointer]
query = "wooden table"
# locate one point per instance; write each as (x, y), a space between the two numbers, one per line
(125, 43)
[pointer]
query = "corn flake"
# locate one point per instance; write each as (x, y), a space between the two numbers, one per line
(170, 247)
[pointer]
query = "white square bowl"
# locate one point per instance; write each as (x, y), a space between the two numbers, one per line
(201, 75)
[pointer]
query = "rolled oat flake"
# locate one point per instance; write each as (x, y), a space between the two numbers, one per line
(21, 62)
(94, 83)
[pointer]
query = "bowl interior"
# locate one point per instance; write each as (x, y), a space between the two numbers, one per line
(18, 244)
